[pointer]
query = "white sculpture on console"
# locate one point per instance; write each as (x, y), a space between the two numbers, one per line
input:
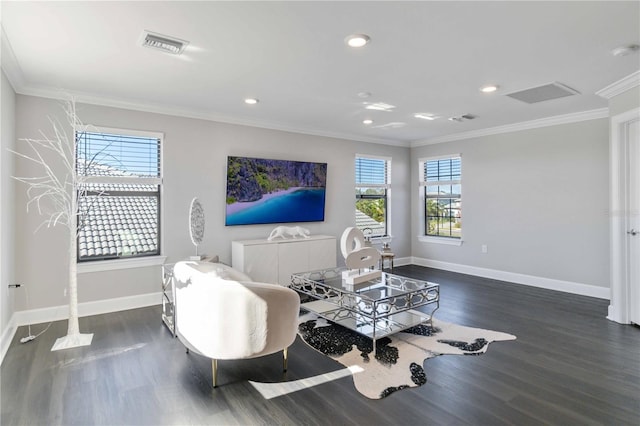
(196, 225)
(360, 259)
(286, 232)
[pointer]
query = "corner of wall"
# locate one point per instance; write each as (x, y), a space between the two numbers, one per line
(7, 215)
(6, 338)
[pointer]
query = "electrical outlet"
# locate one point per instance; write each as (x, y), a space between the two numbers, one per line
(64, 292)
(484, 248)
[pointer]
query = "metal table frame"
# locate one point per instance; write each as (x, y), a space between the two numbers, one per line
(168, 298)
(375, 308)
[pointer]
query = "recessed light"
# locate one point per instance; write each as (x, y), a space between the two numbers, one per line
(425, 116)
(392, 125)
(357, 40)
(489, 88)
(379, 106)
(251, 101)
(367, 121)
(364, 95)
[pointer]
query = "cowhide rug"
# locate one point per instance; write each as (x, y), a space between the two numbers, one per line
(399, 357)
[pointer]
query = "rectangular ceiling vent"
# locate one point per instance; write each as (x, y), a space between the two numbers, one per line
(163, 43)
(542, 93)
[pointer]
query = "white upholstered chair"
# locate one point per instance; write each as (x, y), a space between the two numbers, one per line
(221, 314)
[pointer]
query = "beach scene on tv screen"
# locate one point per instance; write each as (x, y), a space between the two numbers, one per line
(261, 191)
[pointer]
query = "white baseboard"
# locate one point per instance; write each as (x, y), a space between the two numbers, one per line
(56, 313)
(7, 337)
(530, 280)
(615, 314)
(402, 261)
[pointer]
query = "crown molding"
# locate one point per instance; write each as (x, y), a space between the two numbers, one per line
(159, 109)
(194, 114)
(8, 62)
(525, 125)
(620, 86)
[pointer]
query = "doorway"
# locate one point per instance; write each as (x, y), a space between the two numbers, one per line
(625, 218)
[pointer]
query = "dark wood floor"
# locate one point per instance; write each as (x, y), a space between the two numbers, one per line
(569, 365)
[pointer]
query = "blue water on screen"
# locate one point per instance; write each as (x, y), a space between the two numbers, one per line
(303, 205)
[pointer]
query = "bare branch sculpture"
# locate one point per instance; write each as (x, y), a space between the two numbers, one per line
(56, 194)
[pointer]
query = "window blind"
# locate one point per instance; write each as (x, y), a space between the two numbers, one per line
(104, 154)
(442, 170)
(445, 170)
(372, 172)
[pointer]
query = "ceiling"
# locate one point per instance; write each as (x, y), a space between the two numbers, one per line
(424, 57)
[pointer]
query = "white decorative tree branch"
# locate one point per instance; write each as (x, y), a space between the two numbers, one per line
(56, 194)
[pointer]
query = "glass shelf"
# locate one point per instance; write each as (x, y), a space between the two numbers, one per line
(374, 308)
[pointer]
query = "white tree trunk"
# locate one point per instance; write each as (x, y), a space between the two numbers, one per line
(73, 327)
(73, 338)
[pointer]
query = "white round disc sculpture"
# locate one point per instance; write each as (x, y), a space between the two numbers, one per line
(352, 239)
(359, 259)
(196, 223)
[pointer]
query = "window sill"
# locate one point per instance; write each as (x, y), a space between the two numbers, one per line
(440, 240)
(381, 239)
(112, 265)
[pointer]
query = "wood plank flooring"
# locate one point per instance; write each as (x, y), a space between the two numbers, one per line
(568, 366)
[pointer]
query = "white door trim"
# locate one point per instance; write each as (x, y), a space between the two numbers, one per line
(619, 215)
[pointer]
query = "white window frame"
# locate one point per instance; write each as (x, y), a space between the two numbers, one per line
(422, 183)
(386, 186)
(134, 262)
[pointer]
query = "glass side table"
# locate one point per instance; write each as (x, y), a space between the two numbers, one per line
(386, 255)
(168, 298)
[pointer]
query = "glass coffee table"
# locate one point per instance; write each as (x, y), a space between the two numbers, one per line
(374, 308)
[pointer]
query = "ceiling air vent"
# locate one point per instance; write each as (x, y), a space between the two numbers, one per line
(545, 92)
(163, 43)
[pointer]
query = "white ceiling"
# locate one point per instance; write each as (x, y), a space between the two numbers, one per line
(423, 57)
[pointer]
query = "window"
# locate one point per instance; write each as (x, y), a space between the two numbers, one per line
(372, 195)
(119, 198)
(442, 182)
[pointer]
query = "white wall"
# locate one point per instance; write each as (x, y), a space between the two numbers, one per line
(7, 239)
(195, 153)
(537, 198)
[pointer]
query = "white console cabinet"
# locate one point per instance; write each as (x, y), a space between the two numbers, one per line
(275, 261)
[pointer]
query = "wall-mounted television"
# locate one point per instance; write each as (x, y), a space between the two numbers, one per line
(261, 190)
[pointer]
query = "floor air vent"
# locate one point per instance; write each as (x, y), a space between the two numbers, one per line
(545, 92)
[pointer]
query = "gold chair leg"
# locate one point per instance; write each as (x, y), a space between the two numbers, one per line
(285, 354)
(214, 368)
